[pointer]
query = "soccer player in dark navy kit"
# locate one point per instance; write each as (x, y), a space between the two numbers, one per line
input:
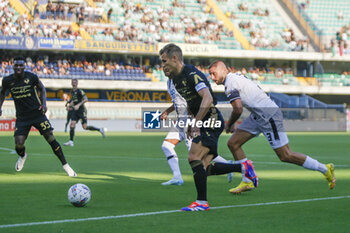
(69, 111)
(196, 90)
(76, 104)
(30, 111)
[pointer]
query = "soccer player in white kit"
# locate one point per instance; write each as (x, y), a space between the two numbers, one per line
(177, 135)
(265, 117)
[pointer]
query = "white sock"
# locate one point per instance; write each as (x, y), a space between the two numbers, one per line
(240, 161)
(173, 160)
(202, 202)
(313, 164)
(245, 179)
(220, 159)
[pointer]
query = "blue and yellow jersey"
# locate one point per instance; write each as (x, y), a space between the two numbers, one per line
(189, 83)
(77, 96)
(24, 93)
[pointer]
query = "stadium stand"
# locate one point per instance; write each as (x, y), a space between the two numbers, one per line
(332, 79)
(262, 24)
(330, 17)
(162, 21)
(188, 22)
(271, 76)
(69, 69)
(301, 103)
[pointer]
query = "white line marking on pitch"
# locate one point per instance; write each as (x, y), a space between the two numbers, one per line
(164, 212)
(8, 149)
(145, 158)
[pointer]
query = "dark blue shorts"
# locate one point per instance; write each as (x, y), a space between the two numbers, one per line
(209, 136)
(79, 115)
(41, 123)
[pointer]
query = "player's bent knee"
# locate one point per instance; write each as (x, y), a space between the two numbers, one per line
(284, 154)
(192, 157)
(283, 159)
(49, 137)
(19, 145)
(168, 147)
(233, 145)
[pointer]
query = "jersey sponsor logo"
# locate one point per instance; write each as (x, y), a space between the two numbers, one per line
(197, 78)
(151, 119)
(20, 92)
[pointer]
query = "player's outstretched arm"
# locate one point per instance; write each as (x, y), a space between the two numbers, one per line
(237, 110)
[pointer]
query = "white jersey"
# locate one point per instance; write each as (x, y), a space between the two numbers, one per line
(179, 102)
(237, 86)
(180, 106)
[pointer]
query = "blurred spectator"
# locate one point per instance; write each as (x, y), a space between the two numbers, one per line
(70, 66)
(346, 49)
(244, 25)
(109, 14)
(340, 14)
(305, 4)
(243, 6)
(231, 15)
(261, 12)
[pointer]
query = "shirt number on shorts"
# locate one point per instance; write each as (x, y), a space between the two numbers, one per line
(45, 125)
(269, 137)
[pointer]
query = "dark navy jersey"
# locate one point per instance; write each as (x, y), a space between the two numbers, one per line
(188, 83)
(24, 93)
(77, 96)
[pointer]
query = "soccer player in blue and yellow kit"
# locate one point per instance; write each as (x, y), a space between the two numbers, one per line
(30, 111)
(194, 87)
(78, 112)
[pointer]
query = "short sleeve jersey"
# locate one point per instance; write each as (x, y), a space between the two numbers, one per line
(25, 95)
(238, 86)
(188, 83)
(76, 97)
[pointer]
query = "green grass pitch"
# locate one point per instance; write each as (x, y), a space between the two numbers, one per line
(124, 172)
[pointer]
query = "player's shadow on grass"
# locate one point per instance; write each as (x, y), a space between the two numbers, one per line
(113, 178)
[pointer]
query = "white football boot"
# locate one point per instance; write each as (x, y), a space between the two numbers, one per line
(174, 181)
(69, 170)
(103, 132)
(20, 162)
(69, 143)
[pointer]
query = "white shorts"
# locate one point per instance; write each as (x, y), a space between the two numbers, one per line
(272, 129)
(179, 134)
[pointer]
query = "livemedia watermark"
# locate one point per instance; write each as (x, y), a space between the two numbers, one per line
(153, 121)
